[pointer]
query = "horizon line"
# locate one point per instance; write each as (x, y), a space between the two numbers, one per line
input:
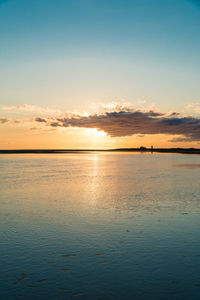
(139, 149)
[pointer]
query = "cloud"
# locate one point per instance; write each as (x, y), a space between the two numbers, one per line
(120, 121)
(34, 128)
(173, 114)
(140, 135)
(117, 106)
(101, 107)
(3, 120)
(195, 107)
(127, 123)
(13, 121)
(32, 109)
(41, 120)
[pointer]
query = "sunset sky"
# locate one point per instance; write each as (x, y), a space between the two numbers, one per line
(99, 73)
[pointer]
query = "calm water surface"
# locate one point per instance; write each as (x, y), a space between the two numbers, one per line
(100, 226)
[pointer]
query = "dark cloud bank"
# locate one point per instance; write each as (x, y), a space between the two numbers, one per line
(127, 123)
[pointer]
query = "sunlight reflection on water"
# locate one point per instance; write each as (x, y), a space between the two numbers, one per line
(100, 226)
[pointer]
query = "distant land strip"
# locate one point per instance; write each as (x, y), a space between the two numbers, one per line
(141, 149)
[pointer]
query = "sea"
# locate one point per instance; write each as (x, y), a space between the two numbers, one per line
(99, 225)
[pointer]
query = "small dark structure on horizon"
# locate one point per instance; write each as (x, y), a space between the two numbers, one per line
(143, 148)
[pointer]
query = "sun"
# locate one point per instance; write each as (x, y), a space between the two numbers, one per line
(95, 132)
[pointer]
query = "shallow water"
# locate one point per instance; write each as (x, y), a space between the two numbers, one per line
(99, 226)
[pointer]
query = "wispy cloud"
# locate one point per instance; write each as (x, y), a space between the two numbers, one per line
(3, 120)
(41, 120)
(195, 107)
(16, 121)
(33, 109)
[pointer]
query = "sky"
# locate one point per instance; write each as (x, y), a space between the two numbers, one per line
(99, 73)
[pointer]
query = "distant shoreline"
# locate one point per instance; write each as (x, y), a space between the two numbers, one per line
(141, 149)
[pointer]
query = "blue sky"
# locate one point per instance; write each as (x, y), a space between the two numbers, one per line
(136, 49)
(68, 53)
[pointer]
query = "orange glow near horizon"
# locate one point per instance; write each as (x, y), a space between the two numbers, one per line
(13, 137)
